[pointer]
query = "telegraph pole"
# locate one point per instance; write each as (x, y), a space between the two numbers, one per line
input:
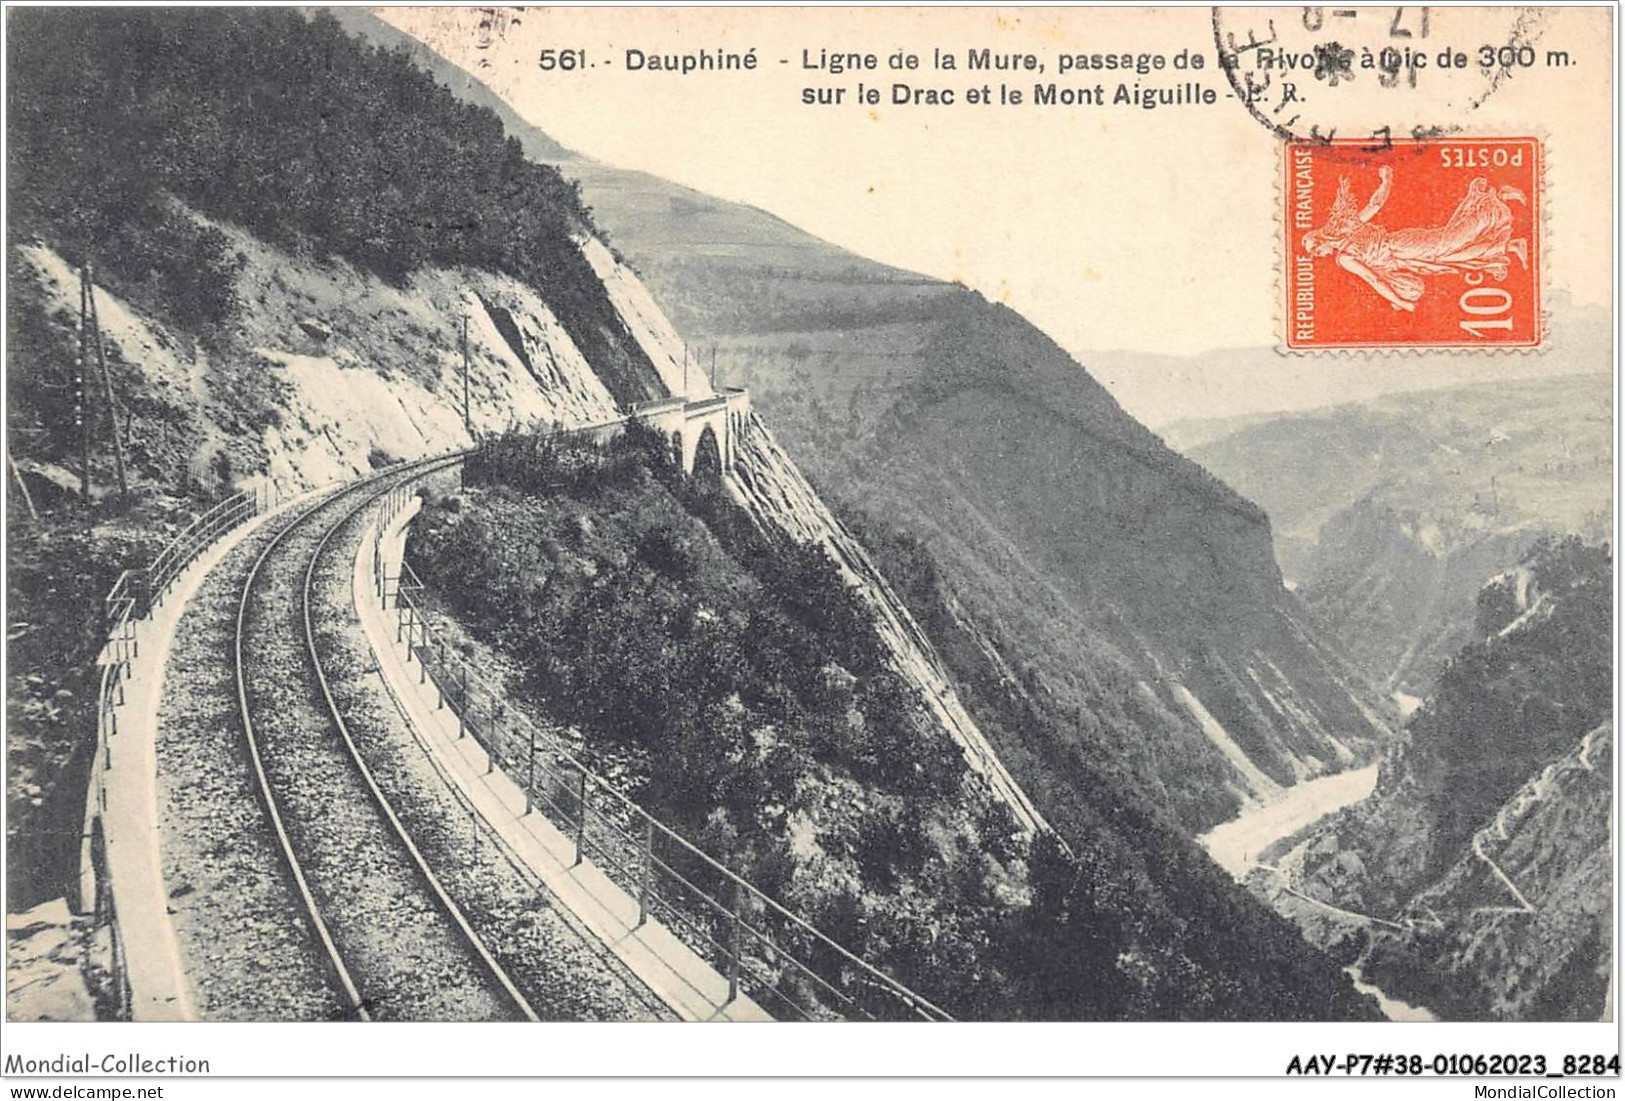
(81, 419)
(468, 412)
(107, 385)
(713, 366)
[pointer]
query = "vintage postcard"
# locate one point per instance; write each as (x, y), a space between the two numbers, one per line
(810, 514)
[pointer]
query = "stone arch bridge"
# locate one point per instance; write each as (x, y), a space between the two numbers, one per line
(709, 426)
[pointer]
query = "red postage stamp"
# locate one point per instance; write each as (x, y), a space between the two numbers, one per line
(1416, 244)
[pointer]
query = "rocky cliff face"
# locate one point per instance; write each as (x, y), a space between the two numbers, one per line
(347, 372)
(1481, 864)
(334, 371)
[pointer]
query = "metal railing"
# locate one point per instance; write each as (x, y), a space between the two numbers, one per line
(764, 950)
(198, 536)
(106, 916)
(132, 598)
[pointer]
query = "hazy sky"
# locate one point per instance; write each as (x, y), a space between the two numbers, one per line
(1111, 227)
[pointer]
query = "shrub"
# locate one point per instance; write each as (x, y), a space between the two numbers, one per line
(543, 462)
(666, 551)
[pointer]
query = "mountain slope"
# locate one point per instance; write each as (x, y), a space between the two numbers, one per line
(1389, 514)
(269, 314)
(1484, 850)
(1062, 525)
(1117, 604)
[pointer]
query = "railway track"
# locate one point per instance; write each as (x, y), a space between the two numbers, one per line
(397, 944)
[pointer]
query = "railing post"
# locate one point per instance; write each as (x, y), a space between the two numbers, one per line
(440, 662)
(530, 784)
(142, 597)
(462, 703)
(646, 874)
(581, 818)
(733, 955)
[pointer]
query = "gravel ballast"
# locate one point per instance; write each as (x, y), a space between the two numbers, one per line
(247, 947)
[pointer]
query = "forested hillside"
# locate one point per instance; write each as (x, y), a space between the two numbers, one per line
(735, 683)
(280, 124)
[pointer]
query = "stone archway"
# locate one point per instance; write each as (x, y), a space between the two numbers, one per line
(707, 464)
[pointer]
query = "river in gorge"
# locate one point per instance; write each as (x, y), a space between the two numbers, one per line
(1236, 846)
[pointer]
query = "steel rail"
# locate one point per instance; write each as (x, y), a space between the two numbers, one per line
(341, 971)
(335, 959)
(441, 895)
